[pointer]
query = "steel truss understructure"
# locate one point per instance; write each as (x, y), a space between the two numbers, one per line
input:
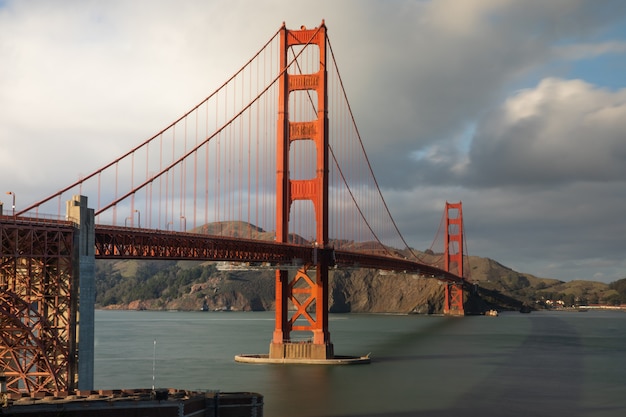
(114, 242)
(38, 306)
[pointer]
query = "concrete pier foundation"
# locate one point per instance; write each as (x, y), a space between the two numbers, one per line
(302, 353)
(303, 350)
(84, 263)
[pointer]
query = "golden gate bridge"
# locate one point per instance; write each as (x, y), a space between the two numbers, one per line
(260, 150)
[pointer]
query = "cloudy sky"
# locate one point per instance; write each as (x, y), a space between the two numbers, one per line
(515, 107)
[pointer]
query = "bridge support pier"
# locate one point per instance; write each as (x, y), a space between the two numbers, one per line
(302, 350)
(453, 300)
(84, 262)
(301, 293)
(46, 332)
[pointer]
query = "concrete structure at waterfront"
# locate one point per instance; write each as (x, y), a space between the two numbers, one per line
(304, 359)
(134, 402)
(84, 261)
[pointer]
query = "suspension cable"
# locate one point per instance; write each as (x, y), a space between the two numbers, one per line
(365, 154)
(62, 191)
(195, 148)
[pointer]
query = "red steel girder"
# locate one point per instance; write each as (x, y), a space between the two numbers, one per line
(124, 243)
(38, 306)
(114, 242)
(366, 260)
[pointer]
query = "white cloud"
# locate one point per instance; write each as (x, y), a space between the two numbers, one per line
(589, 50)
(560, 131)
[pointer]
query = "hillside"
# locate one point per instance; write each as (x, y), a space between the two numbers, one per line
(191, 285)
(194, 285)
(541, 292)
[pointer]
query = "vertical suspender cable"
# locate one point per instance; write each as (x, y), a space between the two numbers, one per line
(99, 188)
(148, 212)
(173, 177)
(218, 191)
(132, 187)
(183, 178)
(206, 169)
(240, 161)
(256, 162)
(195, 179)
(116, 185)
(160, 180)
(229, 166)
(249, 136)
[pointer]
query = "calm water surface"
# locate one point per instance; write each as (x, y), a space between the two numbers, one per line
(539, 364)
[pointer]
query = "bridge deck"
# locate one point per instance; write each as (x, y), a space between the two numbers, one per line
(113, 242)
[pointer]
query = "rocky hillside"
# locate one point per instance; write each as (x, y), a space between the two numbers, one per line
(195, 285)
(192, 285)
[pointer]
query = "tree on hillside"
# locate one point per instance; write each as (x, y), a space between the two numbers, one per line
(620, 287)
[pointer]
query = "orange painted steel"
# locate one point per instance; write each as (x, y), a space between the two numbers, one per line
(38, 306)
(454, 237)
(453, 259)
(115, 242)
(314, 290)
(453, 300)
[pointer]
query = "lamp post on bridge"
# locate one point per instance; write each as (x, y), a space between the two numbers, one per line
(184, 222)
(138, 218)
(11, 193)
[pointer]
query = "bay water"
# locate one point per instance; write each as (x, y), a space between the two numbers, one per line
(538, 364)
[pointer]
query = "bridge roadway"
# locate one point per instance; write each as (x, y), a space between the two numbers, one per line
(116, 242)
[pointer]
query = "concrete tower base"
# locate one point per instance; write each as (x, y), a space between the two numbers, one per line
(302, 350)
(303, 353)
(336, 360)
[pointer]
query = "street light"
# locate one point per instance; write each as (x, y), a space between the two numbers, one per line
(11, 193)
(138, 218)
(184, 219)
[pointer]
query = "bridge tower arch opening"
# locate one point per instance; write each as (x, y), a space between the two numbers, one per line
(302, 298)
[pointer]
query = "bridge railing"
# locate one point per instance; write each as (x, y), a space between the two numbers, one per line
(39, 219)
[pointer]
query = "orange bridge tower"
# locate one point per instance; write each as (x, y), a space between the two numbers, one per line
(453, 298)
(305, 294)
